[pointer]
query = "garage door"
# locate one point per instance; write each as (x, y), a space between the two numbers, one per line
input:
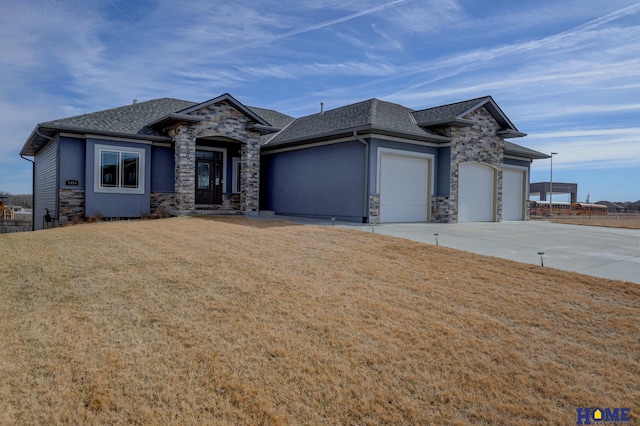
(475, 193)
(404, 188)
(512, 194)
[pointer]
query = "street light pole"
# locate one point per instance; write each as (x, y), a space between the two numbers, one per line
(551, 186)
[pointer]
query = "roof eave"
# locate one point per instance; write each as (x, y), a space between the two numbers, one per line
(264, 130)
(28, 148)
(84, 130)
(510, 133)
(516, 150)
(173, 118)
(454, 122)
(362, 129)
(528, 155)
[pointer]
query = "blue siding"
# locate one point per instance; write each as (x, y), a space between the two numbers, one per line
(443, 172)
(325, 181)
(116, 205)
(514, 162)
(162, 169)
(72, 162)
(46, 183)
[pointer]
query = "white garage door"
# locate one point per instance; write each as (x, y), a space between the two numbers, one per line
(475, 193)
(512, 194)
(404, 188)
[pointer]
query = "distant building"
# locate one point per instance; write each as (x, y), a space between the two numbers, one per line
(560, 188)
(613, 207)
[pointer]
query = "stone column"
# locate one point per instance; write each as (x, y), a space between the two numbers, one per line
(250, 176)
(185, 163)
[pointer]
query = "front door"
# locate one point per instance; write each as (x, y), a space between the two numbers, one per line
(209, 180)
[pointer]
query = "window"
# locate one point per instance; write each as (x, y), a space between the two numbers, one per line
(119, 170)
(237, 169)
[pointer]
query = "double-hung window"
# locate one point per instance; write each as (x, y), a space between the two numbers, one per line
(119, 170)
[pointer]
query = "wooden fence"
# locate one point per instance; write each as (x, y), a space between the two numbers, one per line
(7, 226)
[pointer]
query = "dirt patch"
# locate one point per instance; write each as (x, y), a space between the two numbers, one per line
(610, 221)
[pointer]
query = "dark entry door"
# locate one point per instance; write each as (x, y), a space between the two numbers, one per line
(209, 180)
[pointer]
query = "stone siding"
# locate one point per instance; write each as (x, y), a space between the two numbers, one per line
(163, 200)
(479, 143)
(374, 208)
(250, 176)
(185, 164)
(441, 208)
(231, 201)
(219, 120)
(70, 206)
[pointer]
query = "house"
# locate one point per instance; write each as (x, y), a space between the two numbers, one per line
(380, 161)
(367, 162)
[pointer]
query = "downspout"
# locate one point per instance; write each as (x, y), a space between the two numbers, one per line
(365, 213)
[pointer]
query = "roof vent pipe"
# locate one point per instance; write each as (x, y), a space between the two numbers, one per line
(321, 107)
(135, 101)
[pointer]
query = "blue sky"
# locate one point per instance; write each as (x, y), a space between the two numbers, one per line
(565, 72)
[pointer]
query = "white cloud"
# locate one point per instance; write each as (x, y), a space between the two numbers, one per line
(426, 17)
(295, 71)
(590, 148)
(64, 58)
(386, 42)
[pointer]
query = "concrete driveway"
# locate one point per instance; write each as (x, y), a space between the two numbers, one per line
(603, 252)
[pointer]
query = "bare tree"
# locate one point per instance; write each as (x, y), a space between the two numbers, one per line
(23, 200)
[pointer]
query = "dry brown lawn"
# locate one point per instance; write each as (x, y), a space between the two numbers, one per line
(236, 321)
(611, 221)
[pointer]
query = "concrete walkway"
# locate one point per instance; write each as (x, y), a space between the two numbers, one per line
(603, 252)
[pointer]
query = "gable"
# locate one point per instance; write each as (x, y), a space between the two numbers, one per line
(198, 112)
(457, 115)
(226, 98)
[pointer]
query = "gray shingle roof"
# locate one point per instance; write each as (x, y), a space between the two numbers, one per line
(130, 119)
(373, 114)
(448, 112)
(275, 118)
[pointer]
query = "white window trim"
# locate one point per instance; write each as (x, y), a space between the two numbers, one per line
(98, 149)
(235, 178)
